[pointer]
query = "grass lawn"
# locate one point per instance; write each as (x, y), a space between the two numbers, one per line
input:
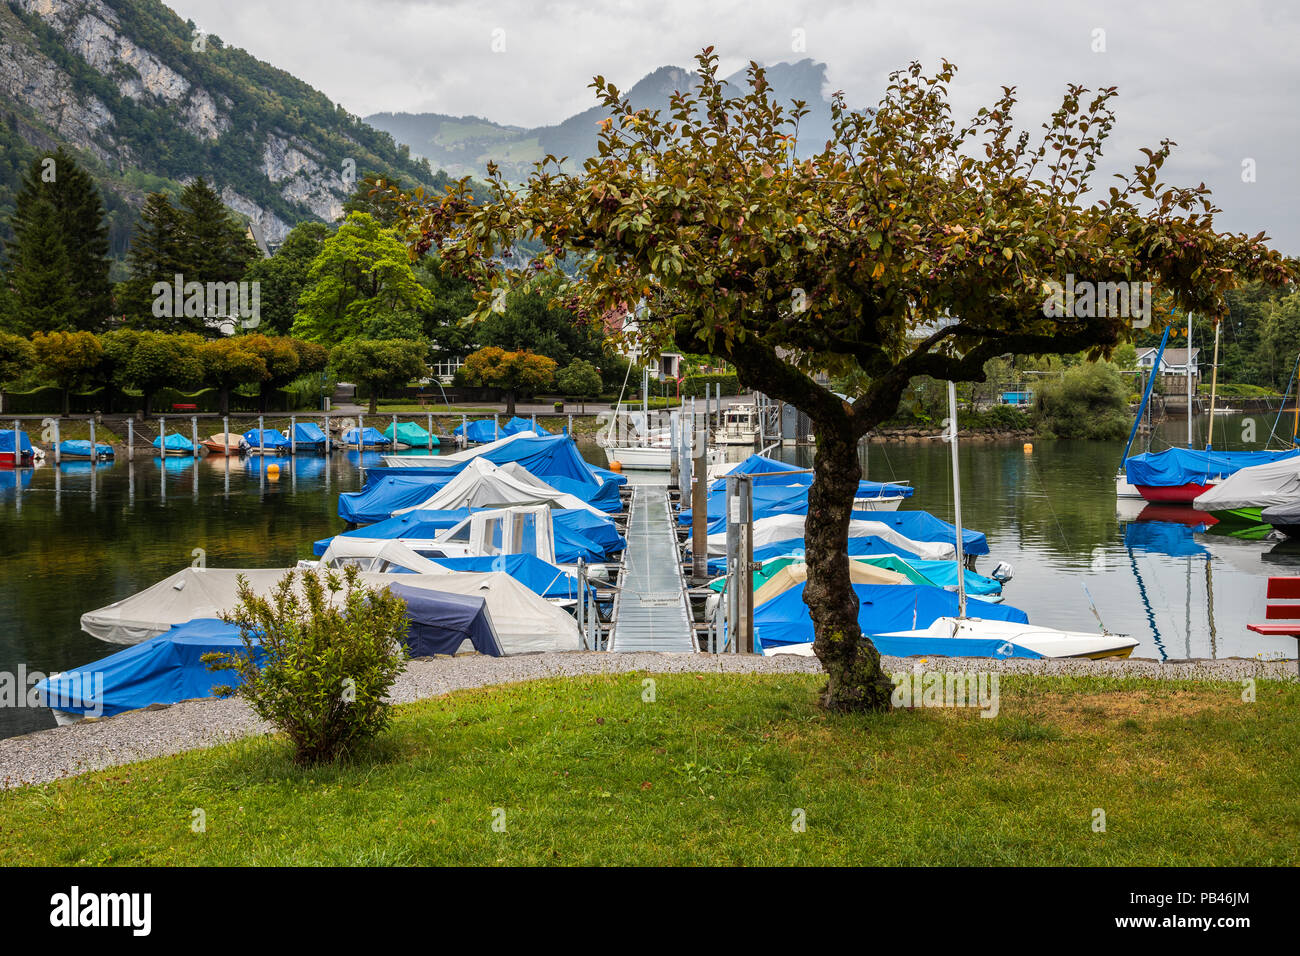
(712, 771)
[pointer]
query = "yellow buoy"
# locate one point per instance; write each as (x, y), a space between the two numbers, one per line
(1029, 448)
(273, 472)
(616, 467)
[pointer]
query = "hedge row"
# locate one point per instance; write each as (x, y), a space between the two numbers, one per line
(693, 386)
(49, 400)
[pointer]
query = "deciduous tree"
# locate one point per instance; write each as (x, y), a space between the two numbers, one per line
(380, 364)
(907, 244)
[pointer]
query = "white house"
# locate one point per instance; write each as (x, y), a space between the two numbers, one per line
(1173, 367)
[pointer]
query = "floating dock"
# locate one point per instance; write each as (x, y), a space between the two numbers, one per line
(651, 611)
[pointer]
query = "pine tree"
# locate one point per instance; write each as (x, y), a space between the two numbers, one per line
(43, 298)
(157, 254)
(58, 201)
(216, 246)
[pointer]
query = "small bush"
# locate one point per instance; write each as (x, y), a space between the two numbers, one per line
(1091, 401)
(319, 659)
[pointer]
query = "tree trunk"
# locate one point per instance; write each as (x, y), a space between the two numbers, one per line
(510, 403)
(67, 401)
(225, 400)
(856, 680)
(374, 400)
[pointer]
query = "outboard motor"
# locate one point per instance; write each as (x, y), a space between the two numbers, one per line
(1002, 573)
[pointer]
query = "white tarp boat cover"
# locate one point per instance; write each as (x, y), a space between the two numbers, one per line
(797, 572)
(784, 527)
(444, 461)
(481, 484)
(524, 621)
(1259, 486)
(375, 554)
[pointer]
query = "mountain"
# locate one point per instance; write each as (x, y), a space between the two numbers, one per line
(463, 145)
(149, 103)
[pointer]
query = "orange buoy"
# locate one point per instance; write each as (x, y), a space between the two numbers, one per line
(1029, 448)
(616, 467)
(273, 472)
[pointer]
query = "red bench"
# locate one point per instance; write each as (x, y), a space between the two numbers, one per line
(184, 407)
(1281, 589)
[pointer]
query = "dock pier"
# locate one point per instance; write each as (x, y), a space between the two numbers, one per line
(651, 609)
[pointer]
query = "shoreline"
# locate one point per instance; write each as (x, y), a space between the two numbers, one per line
(68, 751)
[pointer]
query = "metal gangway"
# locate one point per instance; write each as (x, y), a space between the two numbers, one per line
(651, 612)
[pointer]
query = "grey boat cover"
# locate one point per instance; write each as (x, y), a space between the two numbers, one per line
(1259, 486)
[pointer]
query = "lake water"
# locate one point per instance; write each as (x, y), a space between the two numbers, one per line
(75, 538)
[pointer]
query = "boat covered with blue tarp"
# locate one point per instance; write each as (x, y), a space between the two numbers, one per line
(1178, 467)
(532, 572)
(365, 438)
(554, 459)
(440, 622)
(881, 608)
(769, 471)
(309, 437)
(266, 441)
(578, 533)
(485, 430)
(80, 449)
(771, 500)
(176, 444)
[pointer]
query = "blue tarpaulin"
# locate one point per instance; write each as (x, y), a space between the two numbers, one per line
(554, 459)
(162, 670)
(82, 448)
(7, 441)
(578, 533)
(485, 430)
(440, 622)
(916, 525)
(308, 436)
(268, 439)
(176, 442)
(866, 545)
(944, 574)
(779, 500)
(368, 437)
(882, 607)
(1174, 467)
(529, 570)
(789, 474)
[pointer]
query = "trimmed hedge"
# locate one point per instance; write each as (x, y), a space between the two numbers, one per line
(693, 385)
(48, 400)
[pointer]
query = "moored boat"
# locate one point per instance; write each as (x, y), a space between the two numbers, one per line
(307, 438)
(80, 449)
(224, 443)
(367, 439)
(25, 453)
(266, 441)
(174, 444)
(411, 435)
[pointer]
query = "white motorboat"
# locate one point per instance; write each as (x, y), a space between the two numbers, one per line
(739, 425)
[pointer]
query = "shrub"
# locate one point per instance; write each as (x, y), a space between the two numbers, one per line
(1090, 401)
(319, 659)
(693, 385)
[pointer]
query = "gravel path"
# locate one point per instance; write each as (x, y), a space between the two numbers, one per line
(143, 734)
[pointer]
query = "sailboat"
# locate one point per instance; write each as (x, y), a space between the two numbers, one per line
(1047, 641)
(1181, 475)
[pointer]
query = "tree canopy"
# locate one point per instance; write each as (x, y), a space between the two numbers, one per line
(510, 371)
(907, 245)
(379, 364)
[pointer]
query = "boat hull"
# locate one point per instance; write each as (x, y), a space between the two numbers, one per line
(1239, 515)
(1046, 641)
(1172, 494)
(644, 458)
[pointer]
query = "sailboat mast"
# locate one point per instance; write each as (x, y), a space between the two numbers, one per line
(956, 497)
(1295, 424)
(1214, 384)
(1187, 372)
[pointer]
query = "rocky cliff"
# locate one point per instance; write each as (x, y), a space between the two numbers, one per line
(151, 102)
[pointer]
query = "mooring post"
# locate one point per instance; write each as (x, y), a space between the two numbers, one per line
(57, 442)
(130, 440)
(94, 448)
(329, 441)
(496, 428)
(582, 601)
(194, 436)
(673, 464)
(430, 431)
(293, 434)
(162, 438)
(225, 434)
(699, 509)
(745, 558)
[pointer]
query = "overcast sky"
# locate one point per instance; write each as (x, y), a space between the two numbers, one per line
(1219, 78)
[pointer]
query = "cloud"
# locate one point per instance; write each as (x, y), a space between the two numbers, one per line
(1216, 78)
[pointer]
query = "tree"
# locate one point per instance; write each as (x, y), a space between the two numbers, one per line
(215, 245)
(147, 361)
(67, 359)
(279, 357)
(229, 363)
(282, 278)
(386, 363)
(16, 360)
(157, 254)
(361, 275)
(44, 299)
(907, 245)
(58, 205)
(1089, 401)
(535, 320)
(580, 379)
(509, 371)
